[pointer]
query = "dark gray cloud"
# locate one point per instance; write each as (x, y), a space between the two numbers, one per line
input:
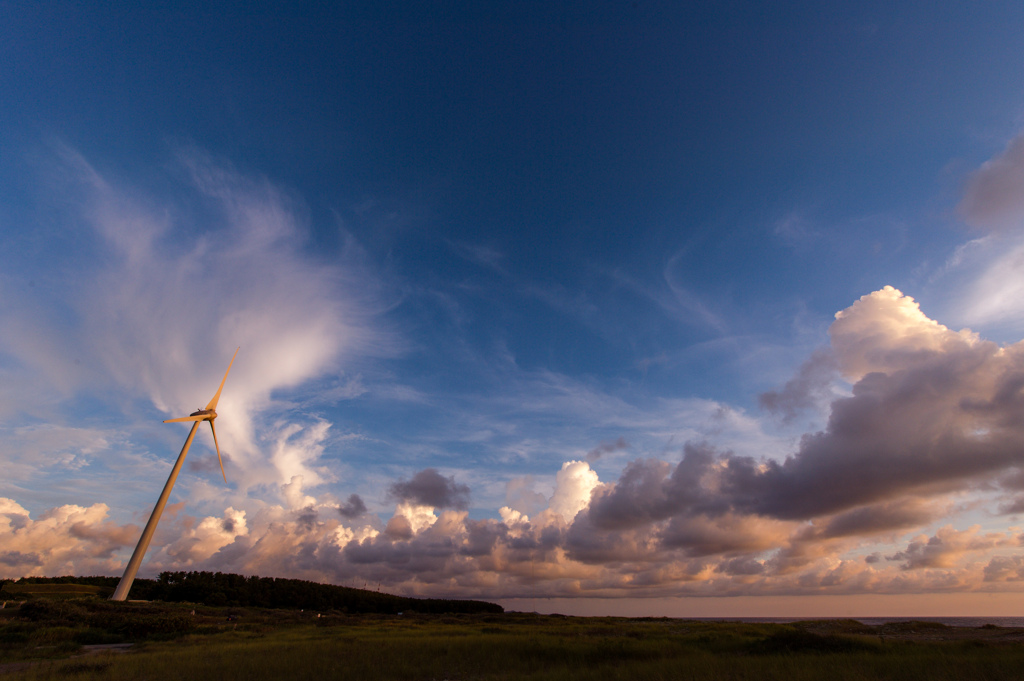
(353, 508)
(932, 411)
(994, 197)
(810, 384)
(945, 547)
(430, 488)
(701, 535)
(607, 448)
(203, 464)
(742, 566)
(307, 518)
(898, 434)
(19, 559)
(885, 517)
(399, 528)
(1005, 569)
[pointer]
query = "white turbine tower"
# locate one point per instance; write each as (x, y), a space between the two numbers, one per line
(208, 414)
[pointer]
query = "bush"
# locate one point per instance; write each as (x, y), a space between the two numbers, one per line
(800, 641)
(46, 610)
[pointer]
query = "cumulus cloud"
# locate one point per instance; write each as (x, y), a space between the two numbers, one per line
(993, 199)
(1005, 569)
(931, 408)
(430, 488)
(947, 546)
(62, 540)
(573, 486)
(209, 536)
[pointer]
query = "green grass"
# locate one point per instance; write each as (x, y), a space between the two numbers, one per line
(19, 591)
(297, 646)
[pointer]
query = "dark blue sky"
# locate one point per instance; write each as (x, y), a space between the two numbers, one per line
(479, 237)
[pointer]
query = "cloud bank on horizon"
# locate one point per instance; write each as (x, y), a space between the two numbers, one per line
(934, 417)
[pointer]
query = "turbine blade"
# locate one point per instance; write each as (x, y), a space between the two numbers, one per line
(217, 447)
(186, 418)
(213, 402)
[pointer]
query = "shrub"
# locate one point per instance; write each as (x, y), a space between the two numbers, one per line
(800, 641)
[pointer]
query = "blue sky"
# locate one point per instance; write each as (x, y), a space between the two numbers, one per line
(489, 261)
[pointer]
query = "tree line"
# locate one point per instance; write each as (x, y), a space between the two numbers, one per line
(223, 589)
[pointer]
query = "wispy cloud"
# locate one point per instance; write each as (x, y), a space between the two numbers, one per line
(993, 199)
(178, 282)
(985, 276)
(675, 299)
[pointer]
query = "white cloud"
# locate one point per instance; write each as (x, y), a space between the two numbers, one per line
(996, 294)
(886, 331)
(573, 485)
(200, 542)
(176, 284)
(988, 281)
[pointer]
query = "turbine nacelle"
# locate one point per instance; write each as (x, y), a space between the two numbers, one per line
(209, 414)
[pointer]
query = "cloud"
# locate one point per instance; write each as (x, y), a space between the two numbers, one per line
(947, 546)
(40, 447)
(804, 390)
(795, 229)
(1005, 569)
(430, 488)
(606, 448)
(878, 518)
(479, 254)
(520, 495)
(930, 408)
(60, 541)
(353, 508)
(573, 487)
(996, 295)
(173, 283)
(993, 199)
(207, 538)
(934, 416)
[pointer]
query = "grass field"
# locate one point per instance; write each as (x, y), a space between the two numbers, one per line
(53, 641)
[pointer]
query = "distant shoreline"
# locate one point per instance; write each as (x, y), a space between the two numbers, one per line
(874, 621)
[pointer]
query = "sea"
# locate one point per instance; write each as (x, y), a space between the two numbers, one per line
(873, 621)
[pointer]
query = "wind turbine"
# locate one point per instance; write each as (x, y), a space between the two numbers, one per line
(208, 414)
